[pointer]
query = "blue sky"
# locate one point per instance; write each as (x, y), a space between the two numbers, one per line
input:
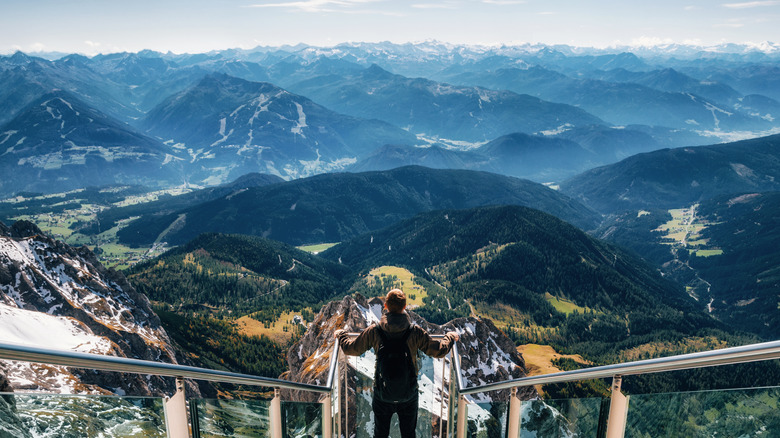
(102, 26)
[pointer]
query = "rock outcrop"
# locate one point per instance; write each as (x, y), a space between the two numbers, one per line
(487, 355)
(56, 296)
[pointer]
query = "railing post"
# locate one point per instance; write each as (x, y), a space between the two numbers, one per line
(462, 412)
(176, 413)
(618, 410)
(513, 422)
(327, 416)
(275, 412)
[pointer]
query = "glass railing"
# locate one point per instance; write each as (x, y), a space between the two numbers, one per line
(723, 413)
(230, 418)
(726, 413)
(561, 418)
(343, 405)
(77, 416)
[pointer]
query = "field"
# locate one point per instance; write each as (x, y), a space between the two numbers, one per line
(538, 360)
(61, 224)
(564, 306)
(684, 230)
(414, 293)
(318, 248)
(280, 331)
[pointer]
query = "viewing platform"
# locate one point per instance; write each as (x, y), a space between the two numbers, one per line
(342, 405)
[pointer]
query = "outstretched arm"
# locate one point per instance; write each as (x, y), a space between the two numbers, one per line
(358, 345)
(438, 348)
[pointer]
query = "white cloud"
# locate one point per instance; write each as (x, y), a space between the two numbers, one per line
(645, 41)
(443, 5)
(504, 2)
(315, 5)
(732, 25)
(755, 4)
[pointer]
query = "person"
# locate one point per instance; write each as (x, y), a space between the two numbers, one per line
(395, 324)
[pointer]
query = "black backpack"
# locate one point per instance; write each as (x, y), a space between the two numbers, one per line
(395, 378)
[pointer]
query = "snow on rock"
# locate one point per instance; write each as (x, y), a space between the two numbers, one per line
(487, 355)
(37, 329)
(59, 297)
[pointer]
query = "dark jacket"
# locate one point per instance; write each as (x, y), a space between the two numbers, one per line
(394, 324)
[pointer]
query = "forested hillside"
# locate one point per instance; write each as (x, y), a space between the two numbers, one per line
(336, 207)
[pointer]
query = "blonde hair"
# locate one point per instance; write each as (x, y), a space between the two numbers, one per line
(395, 301)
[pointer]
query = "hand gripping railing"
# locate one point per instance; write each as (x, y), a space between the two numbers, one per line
(175, 406)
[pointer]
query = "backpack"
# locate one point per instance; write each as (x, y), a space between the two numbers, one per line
(395, 377)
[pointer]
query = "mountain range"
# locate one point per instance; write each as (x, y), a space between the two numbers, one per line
(238, 126)
(353, 100)
(60, 143)
(335, 207)
(675, 178)
(649, 238)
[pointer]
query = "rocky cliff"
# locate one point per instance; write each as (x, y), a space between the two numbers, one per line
(56, 296)
(487, 355)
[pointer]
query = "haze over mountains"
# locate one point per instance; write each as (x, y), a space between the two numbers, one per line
(299, 111)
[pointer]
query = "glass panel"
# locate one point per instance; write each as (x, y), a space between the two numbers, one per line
(233, 418)
(54, 415)
(487, 420)
(301, 420)
(452, 421)
(560, 418)
(429, 378)
(737, 413)
(335, 400)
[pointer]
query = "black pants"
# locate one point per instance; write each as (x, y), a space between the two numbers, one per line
(407, 417)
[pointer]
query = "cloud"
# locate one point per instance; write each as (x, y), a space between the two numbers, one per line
(755, 4)
(315, 5)
(731, 25)
(442, 5)
(504, 2)
(645, 41)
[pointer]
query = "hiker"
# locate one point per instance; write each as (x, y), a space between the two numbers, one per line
(395, 341)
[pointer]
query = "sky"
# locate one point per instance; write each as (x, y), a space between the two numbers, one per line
(192, 26)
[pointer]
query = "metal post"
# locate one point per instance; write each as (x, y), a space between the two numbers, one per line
(275, 412)
(441, 398)
(176, 413)
(618, 409)
(462, 423)
(327, 416)
(346, 397)
(513, 426)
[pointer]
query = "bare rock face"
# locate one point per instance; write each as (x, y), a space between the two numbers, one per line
(487, 355)
(59, 297)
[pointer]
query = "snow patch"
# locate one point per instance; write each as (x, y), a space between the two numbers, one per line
(37, 329)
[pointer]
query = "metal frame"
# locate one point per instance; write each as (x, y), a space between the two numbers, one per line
(725, 356)
(616, 421)
(176, 411)
(175, 406)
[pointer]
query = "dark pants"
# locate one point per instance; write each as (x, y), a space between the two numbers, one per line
(407, 417)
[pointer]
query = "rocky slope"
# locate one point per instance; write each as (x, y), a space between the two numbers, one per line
(486, 354)
(59, 297)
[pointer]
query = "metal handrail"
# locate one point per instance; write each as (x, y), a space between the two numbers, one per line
(137, 366)
(334, 356)
(725, 356)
